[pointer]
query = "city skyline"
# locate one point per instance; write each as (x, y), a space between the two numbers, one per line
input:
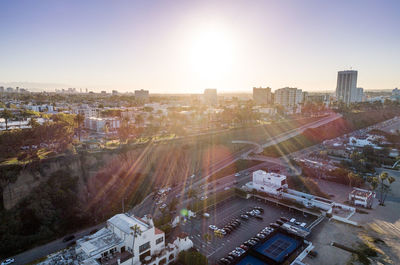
(185, 47)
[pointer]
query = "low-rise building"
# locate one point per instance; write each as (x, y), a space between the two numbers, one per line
(270, 182)
(361, 197)
(102, 124)
(127, 239)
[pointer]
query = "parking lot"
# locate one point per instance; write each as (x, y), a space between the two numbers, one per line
(217, 247)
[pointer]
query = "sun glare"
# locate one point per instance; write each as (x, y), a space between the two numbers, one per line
(211, 54)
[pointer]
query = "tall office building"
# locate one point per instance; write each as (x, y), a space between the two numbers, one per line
(142, 95)
(262, 95)
(346, 88)
(210, 96)
(288, 97)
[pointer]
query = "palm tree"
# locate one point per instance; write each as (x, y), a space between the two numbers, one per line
(384, 188)
(6, 115)
(135, 231)
(79, 118)
(390, 179)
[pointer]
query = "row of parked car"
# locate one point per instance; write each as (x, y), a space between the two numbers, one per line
(255, 212)
(227, 229)
(239, 251)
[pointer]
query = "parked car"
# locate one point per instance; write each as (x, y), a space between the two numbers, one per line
(224, 261)
(8, 261)
(279, 222)
(212, 227)
(261, 236)
(240, 250)
(244, 247)
(259, 208)
(227, 229)
(284, 219)
(273, 225)
(244, 217)
(259, 217)
(230, 258)
(68, 238)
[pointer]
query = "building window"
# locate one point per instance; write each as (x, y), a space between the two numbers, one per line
(144, 247)
(159, 240)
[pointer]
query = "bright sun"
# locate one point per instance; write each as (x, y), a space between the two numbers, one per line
(211, 54)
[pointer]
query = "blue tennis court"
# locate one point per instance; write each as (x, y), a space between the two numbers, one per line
(278, 247)
(250, 260)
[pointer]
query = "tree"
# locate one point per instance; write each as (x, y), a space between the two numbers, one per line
(135, 231)
(192, 258)
(172, 205)
(385, 181)
(33, 123)
(192, 193)
(79, 119)
(6, 115)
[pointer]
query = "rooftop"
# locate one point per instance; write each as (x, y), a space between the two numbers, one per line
(125, 222)
(102, 240)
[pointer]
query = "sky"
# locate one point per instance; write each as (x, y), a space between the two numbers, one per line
(187, 46)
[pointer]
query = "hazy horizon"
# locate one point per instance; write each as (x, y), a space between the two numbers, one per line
(187, 46)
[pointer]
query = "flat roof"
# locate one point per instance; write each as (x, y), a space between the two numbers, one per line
(102, 240)
(125, 222)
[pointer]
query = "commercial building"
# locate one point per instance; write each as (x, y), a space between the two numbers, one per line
(142, 95)
(361, 197)
(262, 96)
(127, 239)
(210, 96)
(346, 88)
(288, 97)
(271, 183)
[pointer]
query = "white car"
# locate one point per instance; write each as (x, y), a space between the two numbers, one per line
(226, 188)
(8, 261)
(163, 206)
(212, 227)
(237, 175)
(203, 198)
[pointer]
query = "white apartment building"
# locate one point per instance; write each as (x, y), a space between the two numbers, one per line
(86, 111)
(272, 183)
(288, 97)
(102, 124)
(361, 197)
(117, 244)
